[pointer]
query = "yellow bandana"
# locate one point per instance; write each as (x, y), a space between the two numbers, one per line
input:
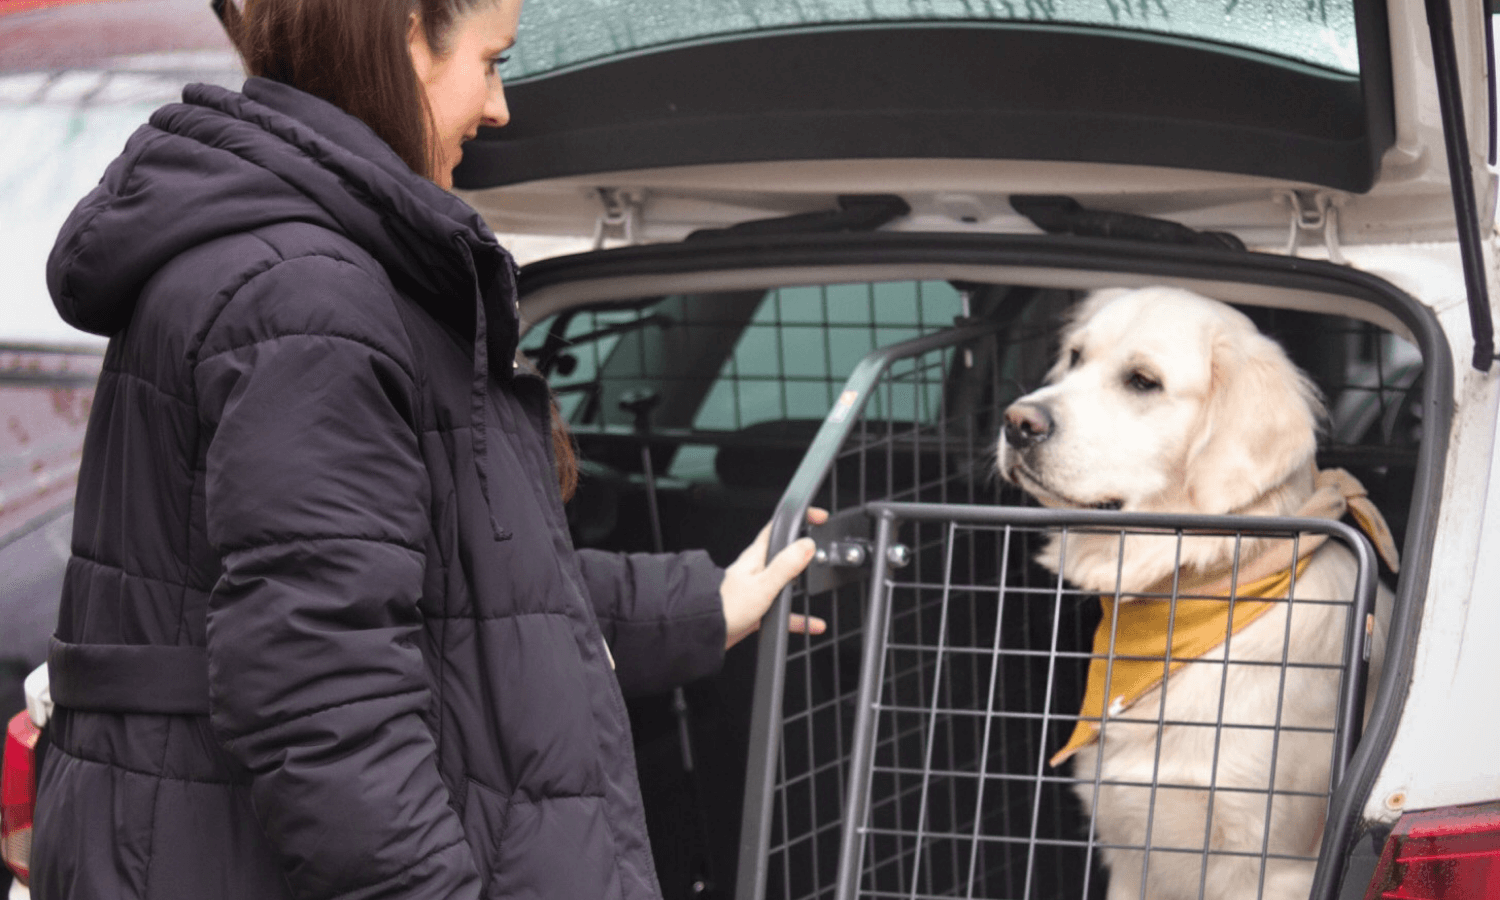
(1140, 652)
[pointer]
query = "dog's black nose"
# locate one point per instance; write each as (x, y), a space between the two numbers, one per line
(1027, 424)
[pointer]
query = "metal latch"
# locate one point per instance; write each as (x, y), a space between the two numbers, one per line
(1316, 212)
(620, 218)
(845, 548)
(855, 552)
(850, 552)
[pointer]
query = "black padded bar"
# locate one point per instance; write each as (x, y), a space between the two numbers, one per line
(975, 92)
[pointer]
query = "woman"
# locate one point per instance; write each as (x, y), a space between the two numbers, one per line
(324, 633)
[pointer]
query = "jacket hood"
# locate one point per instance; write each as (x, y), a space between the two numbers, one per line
(222, 162)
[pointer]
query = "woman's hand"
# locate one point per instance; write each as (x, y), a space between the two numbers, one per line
(751, 584)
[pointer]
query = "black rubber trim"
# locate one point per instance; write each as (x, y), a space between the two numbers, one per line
(1127, 257)
(1059, 214)
(1363, 859)
(1489, 53)
(1000, 91)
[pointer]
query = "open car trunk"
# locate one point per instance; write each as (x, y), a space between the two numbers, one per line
(756, 348)
(851, 236)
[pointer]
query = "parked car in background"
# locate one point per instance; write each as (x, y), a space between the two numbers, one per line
(45, 395)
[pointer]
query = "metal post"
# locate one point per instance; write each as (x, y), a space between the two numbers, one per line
(851, 843)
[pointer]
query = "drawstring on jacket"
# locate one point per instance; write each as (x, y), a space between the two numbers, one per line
(479, 389)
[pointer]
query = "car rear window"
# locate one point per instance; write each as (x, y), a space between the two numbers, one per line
(780, 354)
(556, 36)
(731, 363)
(793, 357)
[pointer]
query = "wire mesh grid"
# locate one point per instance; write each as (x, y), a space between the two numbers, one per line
(728, 360)
(977, 672)
(924, 436)
(922, 419)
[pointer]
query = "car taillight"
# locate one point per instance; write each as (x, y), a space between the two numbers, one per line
(1452, 853)
(18, 794)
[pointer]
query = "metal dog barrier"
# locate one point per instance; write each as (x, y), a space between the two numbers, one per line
(971, 687)
(904, 754)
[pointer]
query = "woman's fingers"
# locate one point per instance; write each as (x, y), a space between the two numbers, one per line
(754, 555)
(751, 584)
(788, 564)
(800, 624)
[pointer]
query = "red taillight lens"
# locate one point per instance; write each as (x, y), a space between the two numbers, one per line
(1451, 853)
(18, 794)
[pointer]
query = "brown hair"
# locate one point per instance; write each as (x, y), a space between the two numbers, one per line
(354, 54)
(566, 454)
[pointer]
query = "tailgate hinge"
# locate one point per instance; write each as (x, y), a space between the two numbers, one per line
(1313, 211)
(621, 216)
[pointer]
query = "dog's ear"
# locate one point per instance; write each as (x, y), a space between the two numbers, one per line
(1260, 423)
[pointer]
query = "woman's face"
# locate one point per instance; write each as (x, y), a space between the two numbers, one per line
(463, 85)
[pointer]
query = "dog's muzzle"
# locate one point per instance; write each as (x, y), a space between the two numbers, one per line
(1026, 425)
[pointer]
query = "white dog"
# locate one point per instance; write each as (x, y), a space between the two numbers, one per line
(1165, 401)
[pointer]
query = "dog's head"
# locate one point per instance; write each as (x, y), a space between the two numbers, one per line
(1164, 401)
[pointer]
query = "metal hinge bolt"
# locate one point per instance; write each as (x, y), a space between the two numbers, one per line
(848, 552)
(852, 552)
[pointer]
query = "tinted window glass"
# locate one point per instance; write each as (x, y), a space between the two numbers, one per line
(794, 356)
(724, 362)
(558, 35)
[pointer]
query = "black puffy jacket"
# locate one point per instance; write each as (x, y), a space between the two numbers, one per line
(324, 633)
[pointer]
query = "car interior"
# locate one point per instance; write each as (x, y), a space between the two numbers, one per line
(737, 384)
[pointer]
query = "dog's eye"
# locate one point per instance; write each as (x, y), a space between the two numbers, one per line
(1143, 383)
(1073, 357)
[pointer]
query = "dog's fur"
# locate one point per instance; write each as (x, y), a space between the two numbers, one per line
(1165, 401)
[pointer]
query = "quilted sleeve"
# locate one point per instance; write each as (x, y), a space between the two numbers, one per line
(317, 503)
(661, 615)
